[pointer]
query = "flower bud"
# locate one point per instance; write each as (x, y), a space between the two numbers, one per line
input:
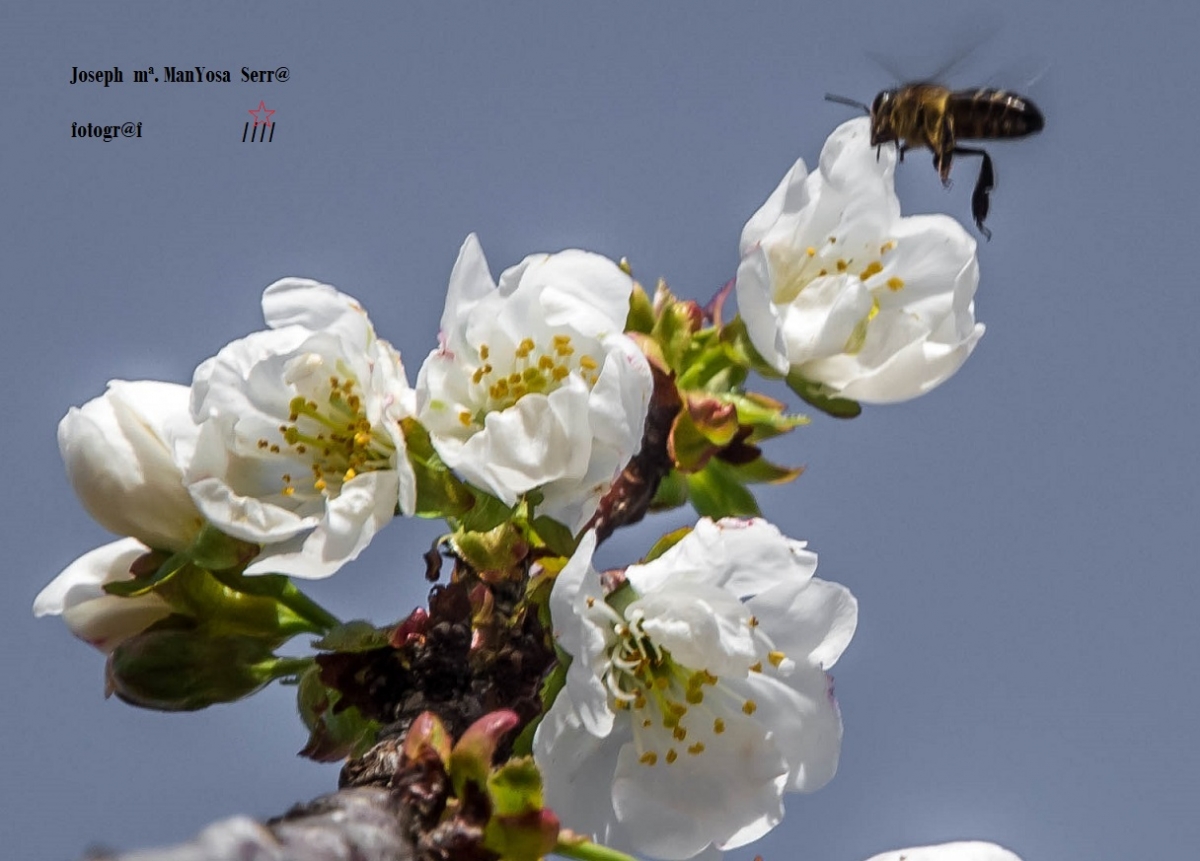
(118, 451)
(182, 670)
(77, 594)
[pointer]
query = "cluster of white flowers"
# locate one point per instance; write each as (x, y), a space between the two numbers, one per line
(698, 691)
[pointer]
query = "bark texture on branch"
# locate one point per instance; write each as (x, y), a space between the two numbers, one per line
(363, 824)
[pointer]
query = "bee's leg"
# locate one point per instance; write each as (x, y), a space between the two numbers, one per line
(942, 159)
(901, 149)
(980, 201)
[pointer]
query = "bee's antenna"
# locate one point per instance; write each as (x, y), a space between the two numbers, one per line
(842, 100)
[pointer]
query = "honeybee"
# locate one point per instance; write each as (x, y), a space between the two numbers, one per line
(929, 115)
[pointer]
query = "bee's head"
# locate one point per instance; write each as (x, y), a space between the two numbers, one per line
(881, 111)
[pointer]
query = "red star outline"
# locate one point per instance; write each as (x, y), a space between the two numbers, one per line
(261, 109)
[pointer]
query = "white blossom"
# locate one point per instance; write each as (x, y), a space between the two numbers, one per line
(77, 594)
(835, 286)
(117, 449)
(535, 386)
(962, 851)
(697, 696)
(300, 446)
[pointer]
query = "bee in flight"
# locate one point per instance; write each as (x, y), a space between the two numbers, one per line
(930, 115)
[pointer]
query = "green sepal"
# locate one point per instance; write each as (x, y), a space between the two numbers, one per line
(716, 492)
(439, 492)
(173, 564)
(214, 550)
(334, 733)
(819, 396)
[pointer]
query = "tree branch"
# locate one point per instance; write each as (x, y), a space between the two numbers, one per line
(362, 824)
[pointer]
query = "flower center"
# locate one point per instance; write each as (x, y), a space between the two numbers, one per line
(329, 431)
(676, 710)
(533, 368)
(793, 272)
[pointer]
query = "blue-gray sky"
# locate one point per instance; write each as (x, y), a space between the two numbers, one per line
(1023, 541)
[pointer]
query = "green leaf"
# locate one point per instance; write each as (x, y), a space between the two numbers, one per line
(672, 492)
(715, 492)
(762, 471)
(334, 734)
(357, 635)
(641, 311)
(665, 543)
(556, 536)
(485, 514)
(515, 787)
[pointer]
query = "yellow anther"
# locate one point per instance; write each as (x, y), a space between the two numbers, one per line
(648, 758)
(350, 473)
(262, 443)
(810, 251)
(560, 373)
(320, 484)
(661, 683)
(588, 363)
(842, 265)
(696, 749)
(561, 340)
(464, 418)
(289, 491)
(895, 283)
(718, 726)
(753, 622)
(887, 246)
(776, 658)
(822, 273)
(477, 377)
(671, 756)
(524, 348)
(680, 733)
(591, 602)
(694, 696)
(756, 667)
(639, 702)
(873, 268)
(749, 707)
(274, 449)
(564, 350)
(483, 351)
(647, 723)
(530, 374)
(545, 363)
(514, 378)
